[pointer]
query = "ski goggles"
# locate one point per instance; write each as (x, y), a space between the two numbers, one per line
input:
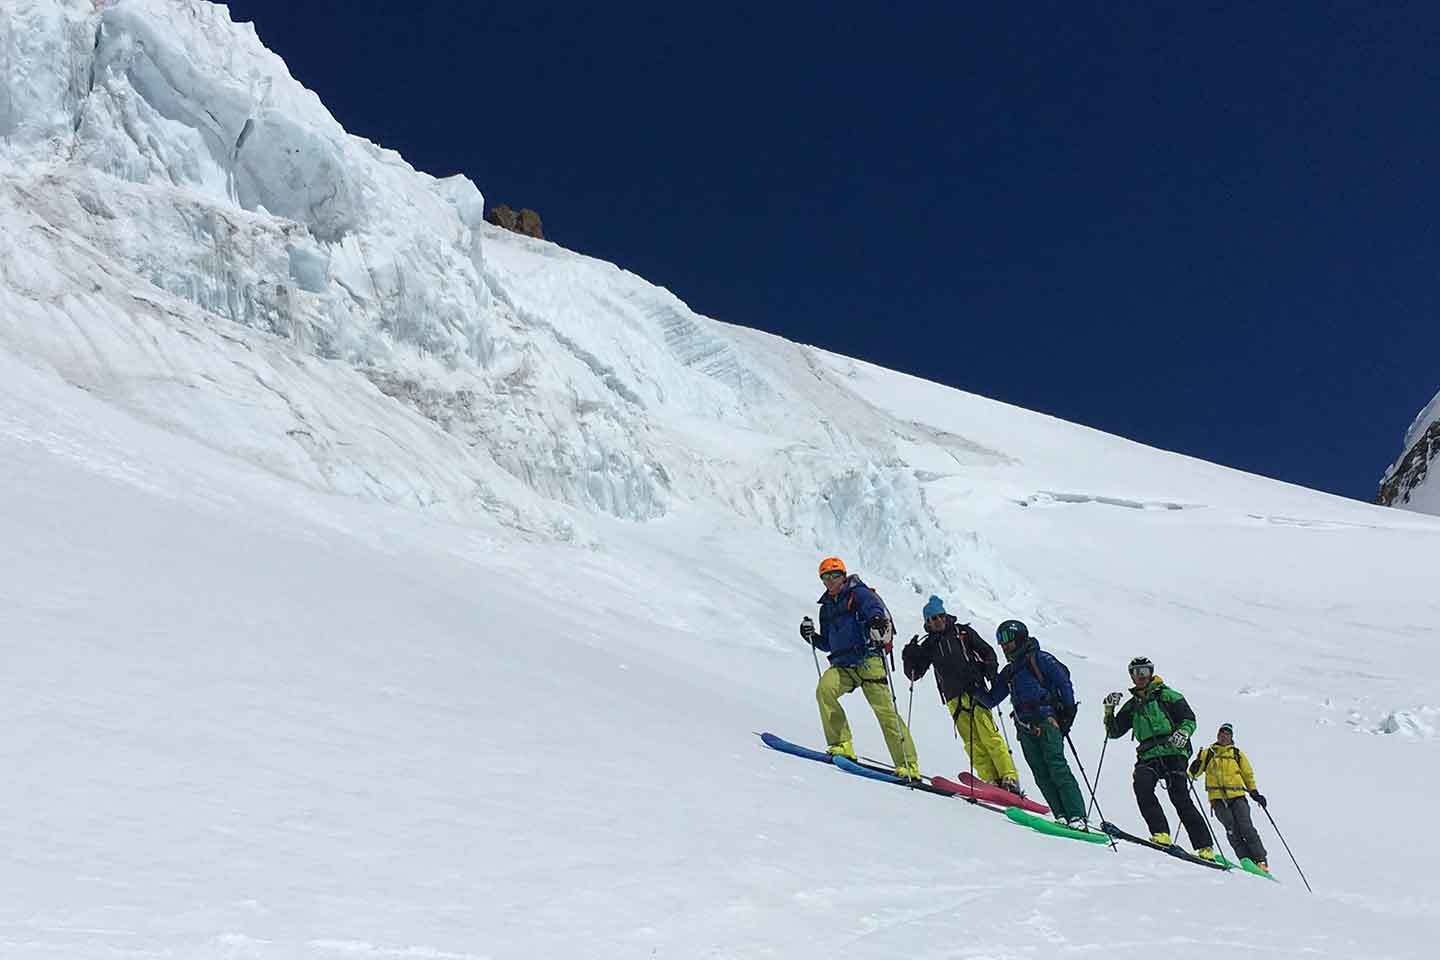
(1010, 636)
(1138, 672)
(830, 575)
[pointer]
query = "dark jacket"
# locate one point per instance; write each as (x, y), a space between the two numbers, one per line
(1153, 712)
(963, 661)
(1033, 697)
(844, 620)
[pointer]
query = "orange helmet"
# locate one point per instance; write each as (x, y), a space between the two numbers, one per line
(832, 565)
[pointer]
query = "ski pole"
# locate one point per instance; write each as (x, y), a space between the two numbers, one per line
(1078, 763)
(1214, 837)
(1099, 769)
(910, 706)
(1287, 846)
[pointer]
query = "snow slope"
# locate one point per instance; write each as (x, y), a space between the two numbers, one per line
(382, 585)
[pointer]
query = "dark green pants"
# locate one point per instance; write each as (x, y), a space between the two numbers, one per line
(1045, 752)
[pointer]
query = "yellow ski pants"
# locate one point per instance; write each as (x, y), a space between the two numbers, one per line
(869, 676)
(983, 742)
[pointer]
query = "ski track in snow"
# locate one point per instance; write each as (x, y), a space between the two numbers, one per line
(380, 584)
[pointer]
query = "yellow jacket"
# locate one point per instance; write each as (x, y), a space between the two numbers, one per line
(1227, 771)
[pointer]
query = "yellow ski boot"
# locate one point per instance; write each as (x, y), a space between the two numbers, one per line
(1161, 839)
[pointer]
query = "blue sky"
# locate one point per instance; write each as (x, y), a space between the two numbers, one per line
(1212, 230)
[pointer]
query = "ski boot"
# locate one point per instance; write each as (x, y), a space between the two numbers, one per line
(1161, 839)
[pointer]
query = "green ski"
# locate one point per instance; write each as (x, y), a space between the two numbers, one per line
(1027, 819)
(1249, 866)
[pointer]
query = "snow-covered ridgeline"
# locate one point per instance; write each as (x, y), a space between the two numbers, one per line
(158, 156)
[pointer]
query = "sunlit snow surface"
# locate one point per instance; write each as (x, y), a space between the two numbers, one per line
(378, 584)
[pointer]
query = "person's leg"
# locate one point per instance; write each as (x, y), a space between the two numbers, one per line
(1067, 791)
(1223, 813)
(1146, 776)
(963, 716)
(1177, 784)
(897, 735)
(833, 684)
(1245, 827)
(1032, 744)
(989, 750)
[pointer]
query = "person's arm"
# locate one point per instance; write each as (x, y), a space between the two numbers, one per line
(868, 605)
(1118, 725)
(989, 664)
(1181, 716)
(813, 635)
(1247, 772)
(916, 658)
(1197, 766)
(1058, 682)
(998, 691)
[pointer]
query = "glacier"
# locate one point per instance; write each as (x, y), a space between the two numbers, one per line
(384, 584)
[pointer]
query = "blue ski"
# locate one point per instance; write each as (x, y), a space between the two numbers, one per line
(850, 766)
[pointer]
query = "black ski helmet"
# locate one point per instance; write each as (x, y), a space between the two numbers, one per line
(1012, 632)
(1142, 663)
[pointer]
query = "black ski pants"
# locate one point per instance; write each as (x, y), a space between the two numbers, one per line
(1234, 815)
(1148, 773)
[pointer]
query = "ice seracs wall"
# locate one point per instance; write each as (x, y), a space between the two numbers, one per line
(190, 234)
(1407, 483)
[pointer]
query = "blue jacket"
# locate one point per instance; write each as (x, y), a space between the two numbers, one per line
(1032, 700)
(844, 617)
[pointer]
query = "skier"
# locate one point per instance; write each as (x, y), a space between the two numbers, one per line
(1044, 701)
(1228, 777)
(1162, 723)
(963, 663)
(855, 631)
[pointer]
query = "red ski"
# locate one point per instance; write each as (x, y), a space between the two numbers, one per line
(987, 793)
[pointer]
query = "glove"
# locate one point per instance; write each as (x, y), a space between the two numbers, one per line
(1259, 798)
(807, 630)
(879, 628)
(909, 659)
(1112, 700)
(1179, 739)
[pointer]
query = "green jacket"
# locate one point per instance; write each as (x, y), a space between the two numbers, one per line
(1153, 714)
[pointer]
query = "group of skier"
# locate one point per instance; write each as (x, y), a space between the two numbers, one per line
(857, 632)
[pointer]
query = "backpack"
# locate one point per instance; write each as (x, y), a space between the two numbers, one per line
(886, 643)
(1064, 713)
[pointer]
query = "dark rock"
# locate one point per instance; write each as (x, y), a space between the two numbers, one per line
(1410, 472)
(526, 221)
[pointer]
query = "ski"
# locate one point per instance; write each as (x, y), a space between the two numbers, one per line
(1250, 866)
(1027, 819)
(795, 750)
(864, 769)
(968, 786)
(1173, 849)
(872, 771)
(885, 776)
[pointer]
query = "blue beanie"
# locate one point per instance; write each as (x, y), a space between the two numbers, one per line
(933, 607)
